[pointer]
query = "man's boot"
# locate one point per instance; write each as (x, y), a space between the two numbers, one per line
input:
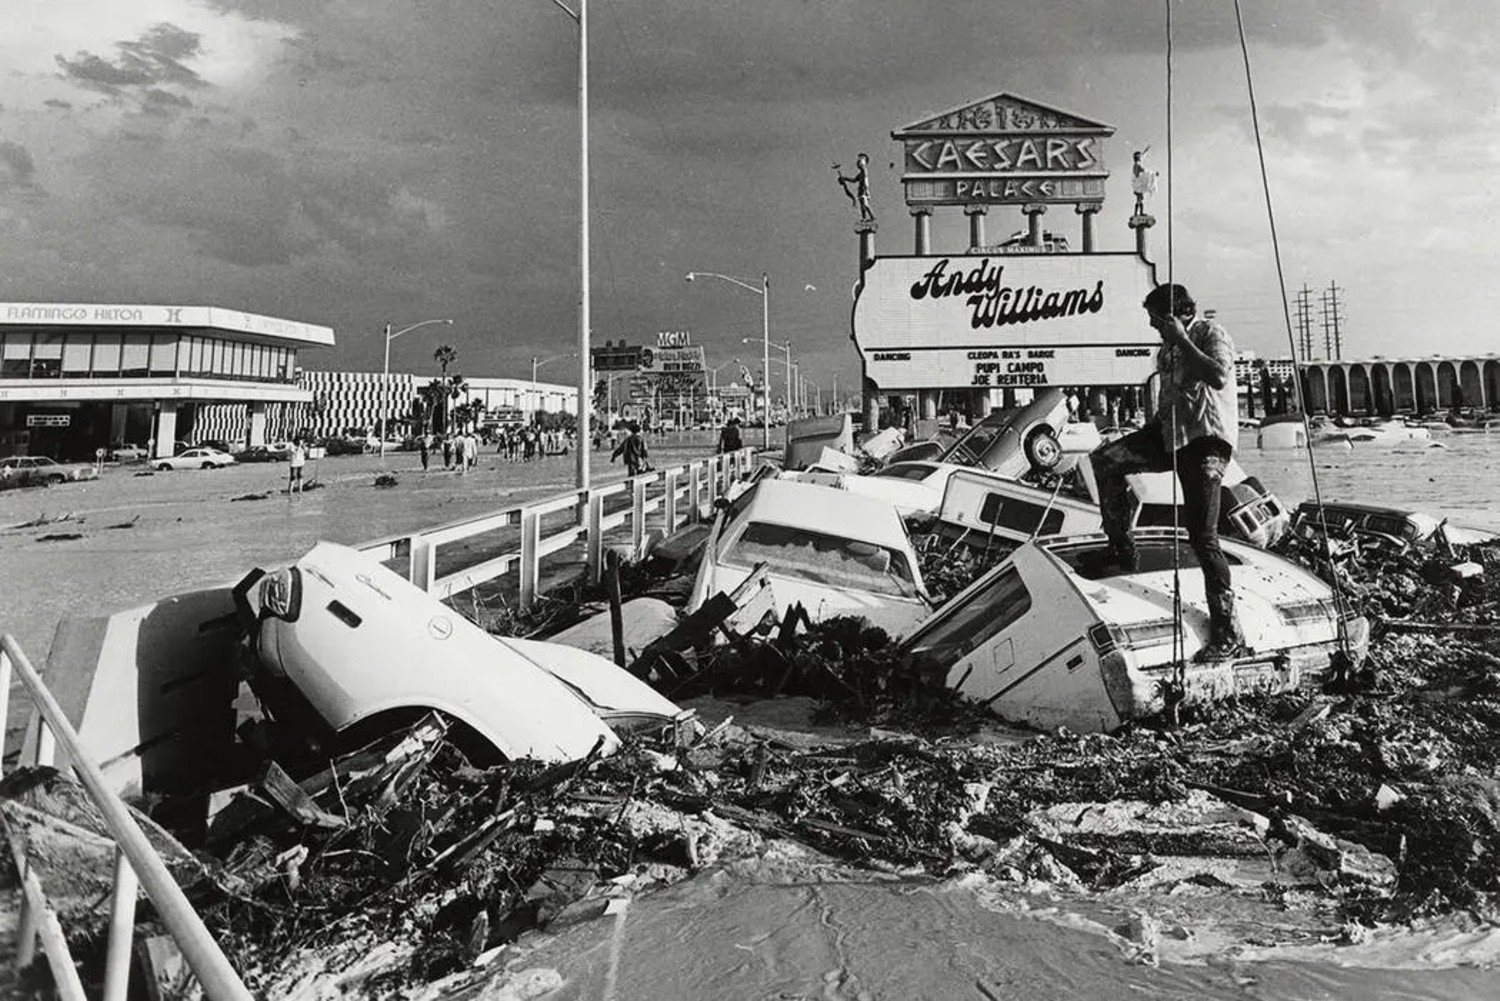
(1223, 635)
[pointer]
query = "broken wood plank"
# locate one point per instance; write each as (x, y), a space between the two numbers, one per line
(278, 785)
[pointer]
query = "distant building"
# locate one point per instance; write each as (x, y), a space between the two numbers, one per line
(76, 377)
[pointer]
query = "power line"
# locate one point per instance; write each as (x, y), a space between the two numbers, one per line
(1333, 344)
(1304, 321)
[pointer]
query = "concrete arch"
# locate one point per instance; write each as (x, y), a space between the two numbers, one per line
(1382, 400)
(1470, 383)
(1427, 399)
(1405, 392)
(1448, 393)
(1338, 389)
(1314, 390)
(1359, 390)
(1492, 384)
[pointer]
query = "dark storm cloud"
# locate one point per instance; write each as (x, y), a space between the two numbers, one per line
(58, 104)
(149, 62)
(17, 169)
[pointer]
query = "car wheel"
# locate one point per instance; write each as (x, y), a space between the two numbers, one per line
(1042, 449)
(208, 465)
(55, 480)
(164, 467)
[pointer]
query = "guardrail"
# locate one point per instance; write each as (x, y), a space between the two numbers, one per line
(137, 866)
(590, 514)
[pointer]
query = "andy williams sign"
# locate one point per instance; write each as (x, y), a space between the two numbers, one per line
(1005, 321)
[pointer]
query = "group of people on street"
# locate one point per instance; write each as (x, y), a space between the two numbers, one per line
(460, 450)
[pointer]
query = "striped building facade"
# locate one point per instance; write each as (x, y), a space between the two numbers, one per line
(357, 399)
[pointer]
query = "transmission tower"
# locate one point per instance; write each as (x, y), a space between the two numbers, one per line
(1304, 323)
(1333, 343)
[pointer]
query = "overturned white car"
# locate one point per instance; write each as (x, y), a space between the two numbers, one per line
(340, 641)
(834, 552)
(1047, 638)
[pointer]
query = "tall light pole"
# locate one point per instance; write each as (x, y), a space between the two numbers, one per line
(385, 379)
(787, 348)
(537, 363)
(764, 291)
(585, 391)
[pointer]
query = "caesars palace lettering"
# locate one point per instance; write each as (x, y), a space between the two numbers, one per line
(992, 304)
(933, 156)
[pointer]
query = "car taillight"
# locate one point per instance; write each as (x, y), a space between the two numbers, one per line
(281, 594)
(1105, 637)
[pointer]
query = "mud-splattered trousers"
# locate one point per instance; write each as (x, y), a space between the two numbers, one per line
(1200, 469)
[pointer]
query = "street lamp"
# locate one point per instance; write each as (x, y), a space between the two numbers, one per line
(787, 347)
(585, 388)
(537, 363)
(764, 291)
(385, 381)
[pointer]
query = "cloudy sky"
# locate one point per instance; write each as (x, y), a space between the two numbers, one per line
(354, 162)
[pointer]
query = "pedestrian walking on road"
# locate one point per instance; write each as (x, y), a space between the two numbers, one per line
(1197, 420)
(296, 461)
(461, 453)
(422, 450)
(447, 452)
(729, 438)
(633, 448)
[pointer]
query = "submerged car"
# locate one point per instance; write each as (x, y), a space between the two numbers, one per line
(984, 509)
(41, 469)
(1051, 639)
(341, 641)
(834, 552)
(1404, 528)
(195, 458)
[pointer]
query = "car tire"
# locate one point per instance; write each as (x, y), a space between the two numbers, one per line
(53, 481)
(164, 467)
(1042, 449)
(208, 465)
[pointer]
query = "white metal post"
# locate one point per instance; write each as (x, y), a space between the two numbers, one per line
(121, 930)
(584, 395)
(765, 357)
(531, 538)
(385, 391)
(4, 703)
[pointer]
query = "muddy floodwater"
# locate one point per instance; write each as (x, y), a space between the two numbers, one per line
(790, 928)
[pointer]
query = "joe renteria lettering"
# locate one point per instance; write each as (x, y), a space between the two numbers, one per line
(996, 305)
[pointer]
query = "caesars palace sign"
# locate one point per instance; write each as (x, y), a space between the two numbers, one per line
(1005, 321)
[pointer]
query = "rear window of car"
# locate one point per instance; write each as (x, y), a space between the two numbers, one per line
(1020, 516)
(907, 471)
(984, 613)
(823, 559)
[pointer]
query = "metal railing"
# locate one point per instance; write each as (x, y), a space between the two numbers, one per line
(592, 514)
(137, 866)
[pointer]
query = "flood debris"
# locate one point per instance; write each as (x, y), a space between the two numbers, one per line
(416, 859)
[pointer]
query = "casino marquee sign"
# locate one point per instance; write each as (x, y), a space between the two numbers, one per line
(1004, 150)
(1005, 321)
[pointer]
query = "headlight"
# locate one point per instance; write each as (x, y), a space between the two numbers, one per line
(281, 594)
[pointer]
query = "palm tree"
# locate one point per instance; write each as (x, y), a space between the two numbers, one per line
(457, 387)
(445, 355)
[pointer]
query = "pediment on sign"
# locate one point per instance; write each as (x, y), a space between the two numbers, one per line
(1003, 113)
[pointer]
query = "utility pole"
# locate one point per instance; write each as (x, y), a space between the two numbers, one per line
(1333, 344)
(1304, 322)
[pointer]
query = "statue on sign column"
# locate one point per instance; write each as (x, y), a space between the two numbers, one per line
(859, 195)
(1142, 181)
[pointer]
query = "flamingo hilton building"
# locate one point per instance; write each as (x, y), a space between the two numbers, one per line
(79, 376)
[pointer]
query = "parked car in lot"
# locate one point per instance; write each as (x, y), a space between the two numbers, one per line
(340, 641)
(196, 458)
(1050, 639)
(41, 469)
(834, 552)
(263, 453)
(126, 453)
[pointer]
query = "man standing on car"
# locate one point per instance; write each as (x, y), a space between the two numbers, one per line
(1197, 420)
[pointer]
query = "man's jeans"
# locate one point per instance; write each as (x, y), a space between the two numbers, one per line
(1200, 469)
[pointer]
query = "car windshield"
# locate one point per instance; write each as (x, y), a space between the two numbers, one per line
(907, 471)
(822, 559)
